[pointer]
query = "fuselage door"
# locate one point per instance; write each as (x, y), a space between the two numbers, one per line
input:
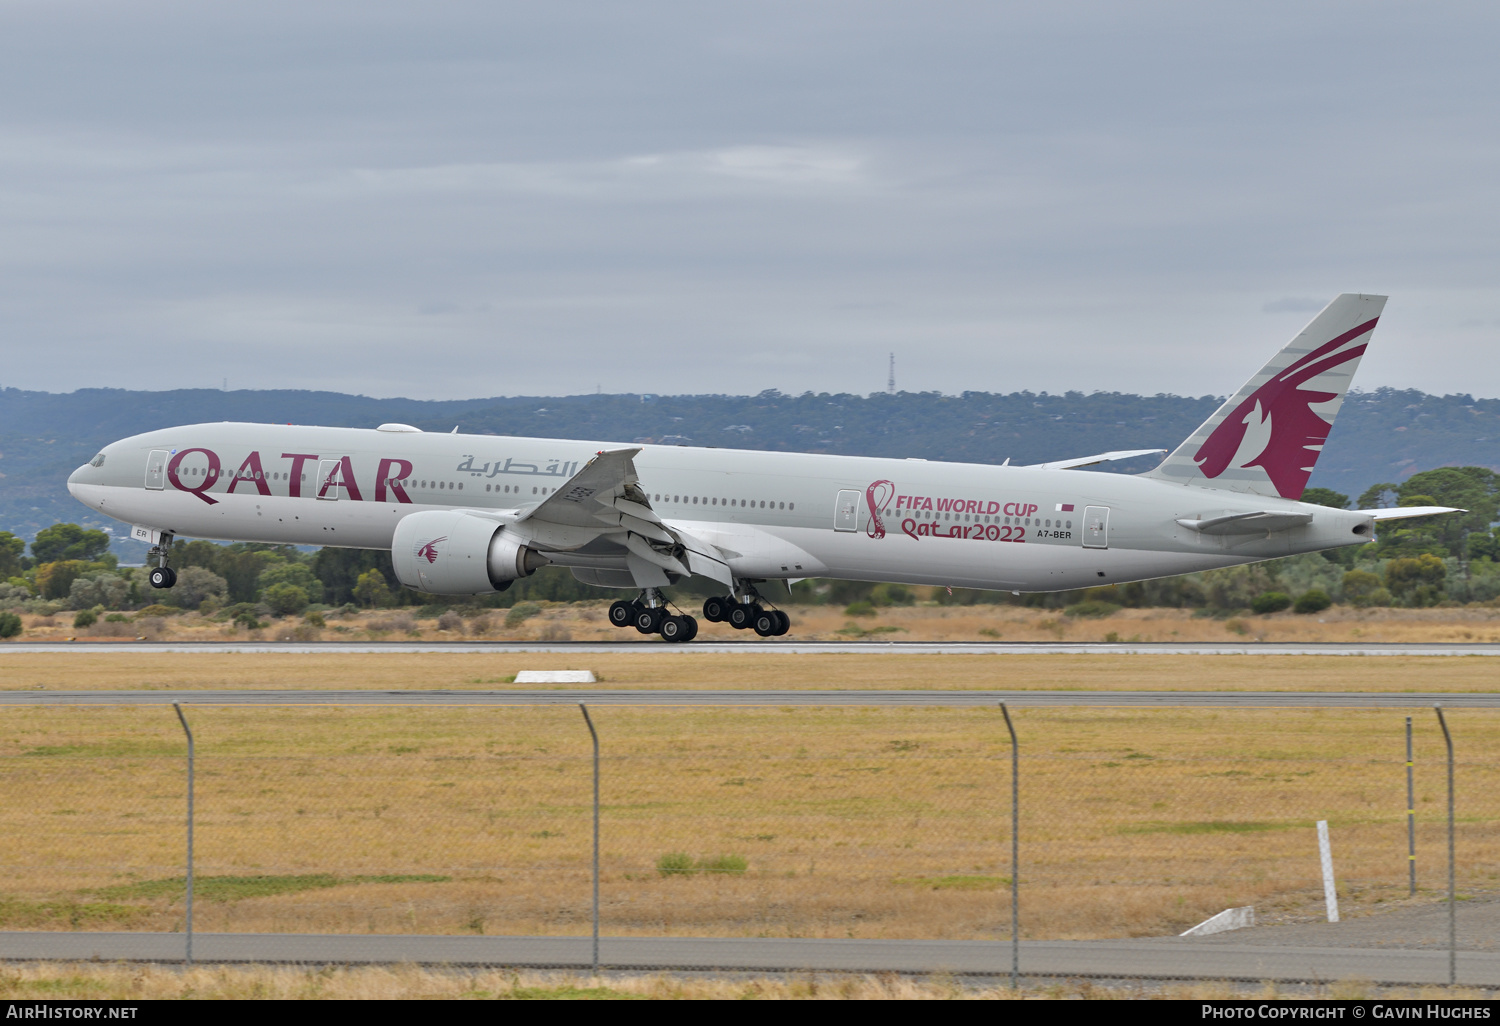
(156, 469)
(1096, 527)
(329, 482)
(846, 512)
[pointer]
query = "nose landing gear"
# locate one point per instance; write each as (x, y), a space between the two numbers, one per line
(162, 576)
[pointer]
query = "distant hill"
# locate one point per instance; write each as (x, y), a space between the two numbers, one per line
(1384, 435)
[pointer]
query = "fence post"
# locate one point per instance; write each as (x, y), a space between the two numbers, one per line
(1411, 818)
(595, 735)
(1015, 853)
(1452, 896)
(1325, 856)
(188, 731)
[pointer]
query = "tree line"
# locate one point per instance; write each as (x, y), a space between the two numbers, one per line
(1426, 561)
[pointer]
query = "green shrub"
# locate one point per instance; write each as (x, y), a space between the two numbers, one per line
(892, 595)
(85, 618)
(157, 609)
(286, 599)
(1270, 602)
(315, 619)
(520, 613)
(10, 625)
(861, 608)
(675, 863)
(117, 618)
(1314, 600)
(1362, 588)
(1416, 581)
(247, 619)
(1092, 608)
(723, 864)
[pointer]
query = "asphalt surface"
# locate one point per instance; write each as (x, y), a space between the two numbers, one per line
(1170, 958)
(564, 695)
(783, 646)
(1476, 924)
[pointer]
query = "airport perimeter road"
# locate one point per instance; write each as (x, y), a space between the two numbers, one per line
(772, 647)
(1167, 958)
(718, 697)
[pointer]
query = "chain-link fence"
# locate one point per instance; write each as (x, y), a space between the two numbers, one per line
(808, 823)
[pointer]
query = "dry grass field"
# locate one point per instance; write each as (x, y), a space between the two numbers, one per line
(755, 668)
(859, 822)
(89, 981)
(586, 621)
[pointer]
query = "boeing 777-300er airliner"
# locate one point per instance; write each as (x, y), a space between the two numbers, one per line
(469, 514)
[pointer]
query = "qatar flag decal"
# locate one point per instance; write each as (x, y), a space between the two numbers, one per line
(1064, 507)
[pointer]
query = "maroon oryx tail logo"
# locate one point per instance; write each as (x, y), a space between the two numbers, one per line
(429, 551)
(878, 496)
(1296, 432)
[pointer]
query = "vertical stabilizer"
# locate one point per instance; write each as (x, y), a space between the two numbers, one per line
(1267, 437)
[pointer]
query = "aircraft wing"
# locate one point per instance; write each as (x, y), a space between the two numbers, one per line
(1402, 512)
(605, 500)
(1103, 457)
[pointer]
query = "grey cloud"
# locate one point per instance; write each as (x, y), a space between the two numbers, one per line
(1295, 304)
(455, 199)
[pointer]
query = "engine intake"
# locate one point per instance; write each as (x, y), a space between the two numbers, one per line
(447, 552)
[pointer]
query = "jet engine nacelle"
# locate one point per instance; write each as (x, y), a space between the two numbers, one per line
(449, 552)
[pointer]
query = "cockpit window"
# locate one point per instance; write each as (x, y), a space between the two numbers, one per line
(97, 461)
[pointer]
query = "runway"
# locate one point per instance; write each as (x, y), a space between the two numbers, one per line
(722, 697)
(1165, 958)
(768, 646)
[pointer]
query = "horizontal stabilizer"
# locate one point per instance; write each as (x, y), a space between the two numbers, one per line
(1402, 512)
(1103, 457)
(1248, 523)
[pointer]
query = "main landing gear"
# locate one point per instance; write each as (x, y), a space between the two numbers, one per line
(162, 576)
(744, 612)
(649, 614)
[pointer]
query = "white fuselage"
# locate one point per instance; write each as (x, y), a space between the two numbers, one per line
(772, 515)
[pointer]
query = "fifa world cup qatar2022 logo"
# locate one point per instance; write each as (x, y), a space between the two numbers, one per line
(878, 498)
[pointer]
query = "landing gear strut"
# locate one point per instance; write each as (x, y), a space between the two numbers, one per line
(648, 613)
(743, 611)
(162, 576)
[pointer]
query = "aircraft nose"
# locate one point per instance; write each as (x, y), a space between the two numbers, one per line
(76, 478)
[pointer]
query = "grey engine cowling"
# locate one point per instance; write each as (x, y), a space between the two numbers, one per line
(447, 552)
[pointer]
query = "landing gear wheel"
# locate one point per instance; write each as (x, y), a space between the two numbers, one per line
(768, 623)
(716, 610)
(648, 621)
(742, 617)
(622, 613)
(163, 577)
(785, 625)
(678, 628)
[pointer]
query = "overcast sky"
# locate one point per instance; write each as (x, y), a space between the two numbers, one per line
(447, 200)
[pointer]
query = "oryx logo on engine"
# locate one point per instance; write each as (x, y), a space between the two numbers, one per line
(429, 550)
